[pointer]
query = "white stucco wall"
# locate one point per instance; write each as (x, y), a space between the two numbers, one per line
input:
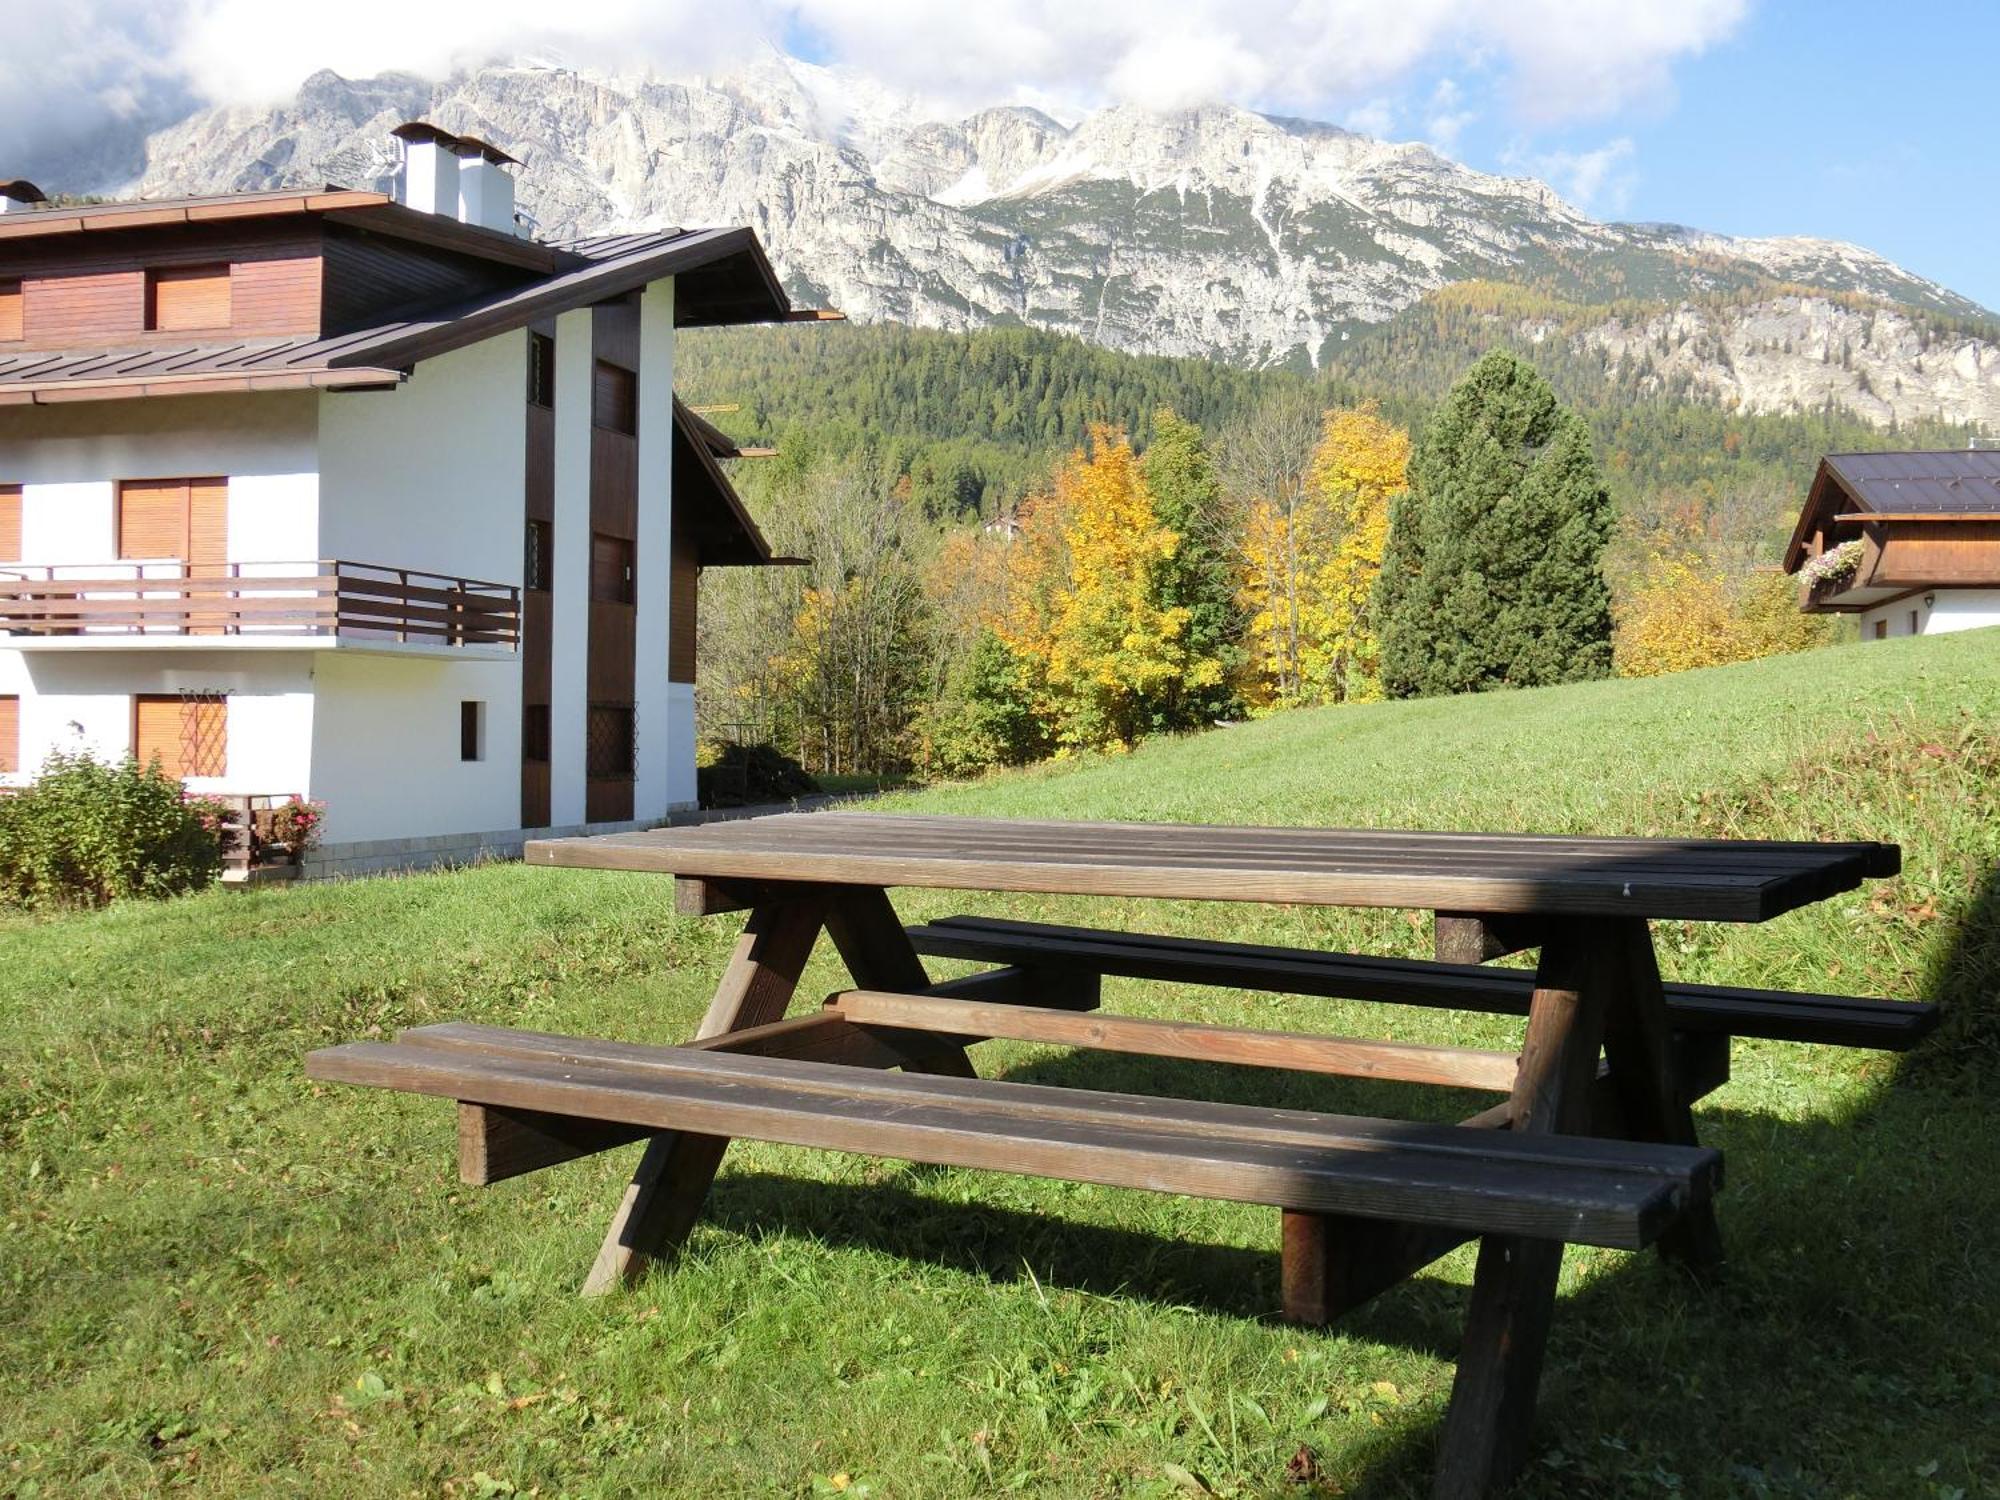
(681, 790)
(68, 460)
(430, 475)
(653, 700)
(1938, 612)
(81, 701)
(385, 746)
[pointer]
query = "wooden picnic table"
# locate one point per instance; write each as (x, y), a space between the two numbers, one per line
(1608, 1050)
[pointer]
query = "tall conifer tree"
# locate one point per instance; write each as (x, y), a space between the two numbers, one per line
(1493, 575)
(1187, 498)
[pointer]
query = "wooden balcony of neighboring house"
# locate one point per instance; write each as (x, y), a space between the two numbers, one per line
(164, 604)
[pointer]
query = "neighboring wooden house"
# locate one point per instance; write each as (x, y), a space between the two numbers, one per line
(366, 497)
(1908, 541)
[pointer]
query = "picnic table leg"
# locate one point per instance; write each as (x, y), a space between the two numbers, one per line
(878, 953)
(1490, 1424)
(672, 1180)
(1648, 1088)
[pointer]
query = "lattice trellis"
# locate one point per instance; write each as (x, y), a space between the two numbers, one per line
(610, 741)
(204, 734)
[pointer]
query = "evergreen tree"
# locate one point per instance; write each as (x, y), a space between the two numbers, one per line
(1187, 499)
(1493, 576)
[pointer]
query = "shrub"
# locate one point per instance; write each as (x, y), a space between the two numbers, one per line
(87, 833)
(745, 775)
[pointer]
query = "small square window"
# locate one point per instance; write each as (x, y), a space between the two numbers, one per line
(188, 297)
(608, 750)
(538, 568)
(610, 569)
(541, 370)
(472, 730)
(614, 398)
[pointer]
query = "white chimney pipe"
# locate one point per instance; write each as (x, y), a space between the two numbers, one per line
(428, 180)
(485, 191)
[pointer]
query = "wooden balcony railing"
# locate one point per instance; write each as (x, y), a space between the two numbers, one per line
(365, 601)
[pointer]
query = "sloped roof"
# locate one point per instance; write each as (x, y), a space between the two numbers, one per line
(715, 270)
(1950, 484)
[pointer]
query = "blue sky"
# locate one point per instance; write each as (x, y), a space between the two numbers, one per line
(1870, 123)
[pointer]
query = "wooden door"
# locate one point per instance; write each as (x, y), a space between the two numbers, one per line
(208, 551)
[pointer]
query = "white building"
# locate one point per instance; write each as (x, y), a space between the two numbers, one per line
(364, 497)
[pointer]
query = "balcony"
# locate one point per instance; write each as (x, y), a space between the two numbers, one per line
(285, 606)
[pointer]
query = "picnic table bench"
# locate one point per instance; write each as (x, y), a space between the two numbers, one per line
(1592, 1143)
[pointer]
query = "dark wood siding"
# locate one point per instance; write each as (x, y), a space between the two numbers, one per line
(79, 291)
(682, 608)
(614, 517)
(538, 606)
(370, 278)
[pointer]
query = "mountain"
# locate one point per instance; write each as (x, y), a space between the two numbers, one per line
(1215, 232)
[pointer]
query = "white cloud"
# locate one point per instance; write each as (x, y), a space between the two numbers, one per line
(1376, 117)
(1556, 60)
(1601, 180)
(1447, 119)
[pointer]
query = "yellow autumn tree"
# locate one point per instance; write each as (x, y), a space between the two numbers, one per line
(1681, 612)
(1310, 566)
(1083, 601)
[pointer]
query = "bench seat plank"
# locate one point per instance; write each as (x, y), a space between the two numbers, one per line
(1550, 1187)
(1777, 1015)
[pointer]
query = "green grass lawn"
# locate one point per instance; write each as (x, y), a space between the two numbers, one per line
(219, 1277)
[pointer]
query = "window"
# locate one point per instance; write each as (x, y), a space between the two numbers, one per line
(614, 398)
(535, 732)
(607, 742)
(541, 370)
(610, 569)
(10, 522)
(180, 297)
(184, 518)
(10, 733)
(1913, 622)
(472, 730)
(1881, 630)
(538, 568)
(187, 733)
(11, 323)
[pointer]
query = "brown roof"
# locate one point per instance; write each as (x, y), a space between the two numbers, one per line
(721, 274)
(1947, 485)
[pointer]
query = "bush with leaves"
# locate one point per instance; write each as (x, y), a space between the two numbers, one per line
(750, 775)
(88, 833)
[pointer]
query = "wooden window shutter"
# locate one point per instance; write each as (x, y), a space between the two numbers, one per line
(152, 517)
(188, 734)
(10, 733)
(614, 398)
(610, 569)
(188, 297)
(12, 325)
(681, 611)
(208, 524)
(10, 522)
(156, 731)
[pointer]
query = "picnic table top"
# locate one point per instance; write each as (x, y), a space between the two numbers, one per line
(1725, 880)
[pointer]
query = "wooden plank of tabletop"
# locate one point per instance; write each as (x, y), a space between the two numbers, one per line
(1494, 873)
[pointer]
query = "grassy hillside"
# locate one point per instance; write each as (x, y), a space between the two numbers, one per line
(222, 1278)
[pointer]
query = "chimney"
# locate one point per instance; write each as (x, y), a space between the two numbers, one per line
(459, 177)
(485, 191)
(18, 195)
